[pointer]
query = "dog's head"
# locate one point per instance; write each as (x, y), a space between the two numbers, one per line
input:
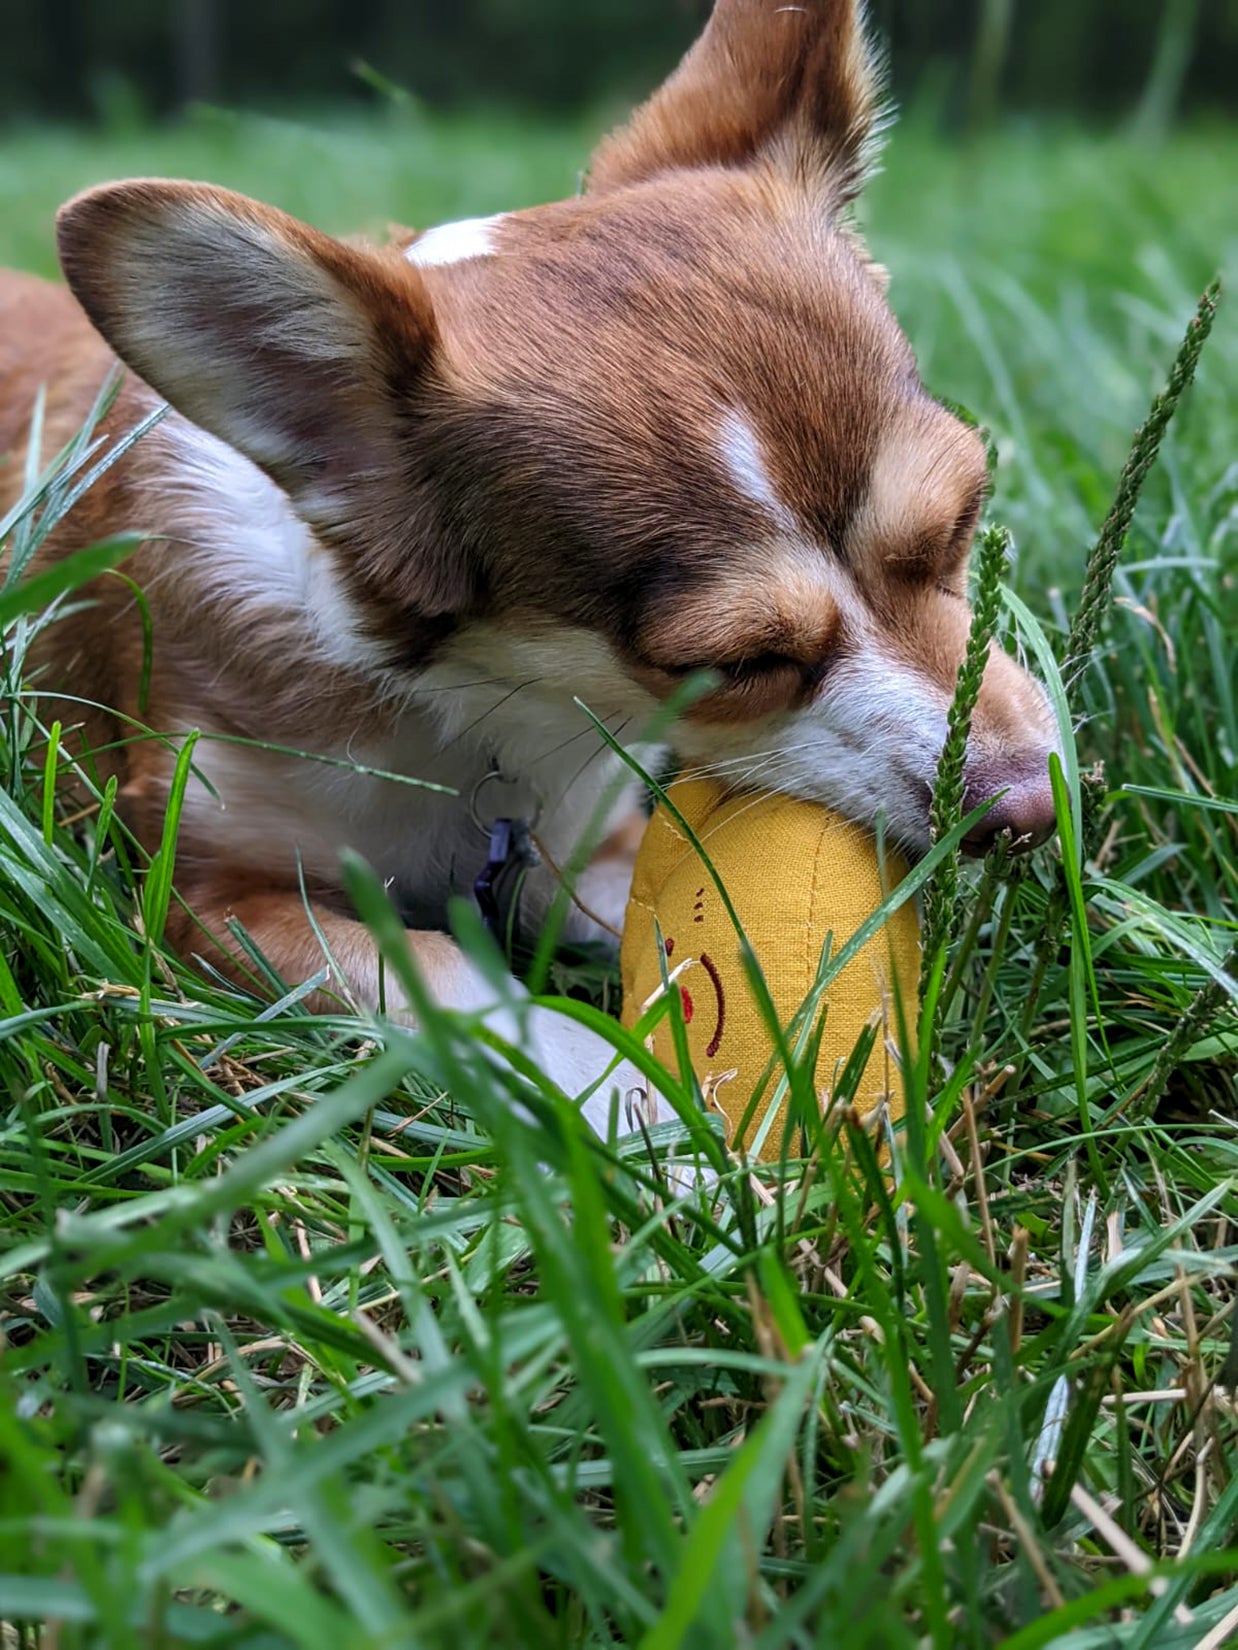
(670, 424)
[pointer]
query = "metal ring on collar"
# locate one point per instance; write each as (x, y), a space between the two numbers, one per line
(495, 775)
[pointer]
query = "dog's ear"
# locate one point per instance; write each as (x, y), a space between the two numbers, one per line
(798, 85)
(308, 356)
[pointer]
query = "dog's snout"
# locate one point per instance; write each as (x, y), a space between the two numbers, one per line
(1024, 807)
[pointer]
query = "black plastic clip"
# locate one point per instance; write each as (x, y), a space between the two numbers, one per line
(511, 849)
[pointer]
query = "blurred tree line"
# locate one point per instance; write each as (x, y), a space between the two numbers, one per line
(82, 58)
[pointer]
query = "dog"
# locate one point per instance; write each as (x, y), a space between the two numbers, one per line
(413, 502)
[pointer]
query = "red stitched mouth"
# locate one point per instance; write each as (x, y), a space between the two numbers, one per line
(714, 1043)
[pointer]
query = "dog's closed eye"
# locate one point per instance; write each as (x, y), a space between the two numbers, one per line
(754, 684)
(738, 670)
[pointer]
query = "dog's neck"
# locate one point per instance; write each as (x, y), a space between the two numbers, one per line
(484, 704)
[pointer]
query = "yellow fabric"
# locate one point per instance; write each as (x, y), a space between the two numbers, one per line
(795, 873)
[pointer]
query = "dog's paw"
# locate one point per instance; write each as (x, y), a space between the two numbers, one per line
(574, 1058)
(580, 1062)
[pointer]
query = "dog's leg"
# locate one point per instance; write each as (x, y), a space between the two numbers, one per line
(277, 922)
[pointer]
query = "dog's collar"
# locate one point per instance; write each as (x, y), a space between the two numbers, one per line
(506, 812)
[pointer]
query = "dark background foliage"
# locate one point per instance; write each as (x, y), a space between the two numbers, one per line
(84, 58)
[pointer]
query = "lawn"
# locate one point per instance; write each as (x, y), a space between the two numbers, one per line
(309, 1340)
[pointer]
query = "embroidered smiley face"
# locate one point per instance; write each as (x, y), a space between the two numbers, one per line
(715, 979)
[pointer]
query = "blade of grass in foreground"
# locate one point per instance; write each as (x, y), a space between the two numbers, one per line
(102, 1236)
(576, 1264)
(1081, 969)
(717, 1556)
(36, 593)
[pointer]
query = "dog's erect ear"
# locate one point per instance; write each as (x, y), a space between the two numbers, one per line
(799, 84)
(299, 351)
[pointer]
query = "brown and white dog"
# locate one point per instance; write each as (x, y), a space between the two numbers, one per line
(413, 501)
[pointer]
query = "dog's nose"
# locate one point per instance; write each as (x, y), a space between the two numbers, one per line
(1025, 810)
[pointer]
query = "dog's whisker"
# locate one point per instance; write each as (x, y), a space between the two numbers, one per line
(582, 733)
(473, 726)
(602, 750)
(726, 765)
(419, 692)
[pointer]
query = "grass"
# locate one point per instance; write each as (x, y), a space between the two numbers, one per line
(300, 1352)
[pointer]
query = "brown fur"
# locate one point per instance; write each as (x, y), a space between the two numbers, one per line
(667, 425)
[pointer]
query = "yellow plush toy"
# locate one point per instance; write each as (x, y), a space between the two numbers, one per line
(795, 873)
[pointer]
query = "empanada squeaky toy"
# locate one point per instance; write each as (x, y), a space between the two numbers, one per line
(795, 873)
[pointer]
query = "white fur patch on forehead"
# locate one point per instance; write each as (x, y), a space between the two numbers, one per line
(455, 243)
(745, 467)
